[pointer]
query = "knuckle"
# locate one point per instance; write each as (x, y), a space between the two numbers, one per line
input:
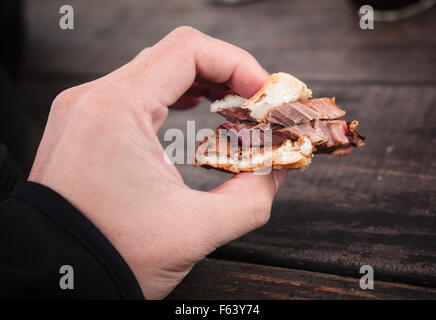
(94, 111)
(246, 53)
(63, 99)
(143, 53)
(248, 57)
(95, 102)
(185, 32)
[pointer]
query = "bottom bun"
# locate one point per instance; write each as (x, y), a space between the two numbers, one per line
(289, 155)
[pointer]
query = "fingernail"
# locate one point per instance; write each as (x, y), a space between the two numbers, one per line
(279, 177)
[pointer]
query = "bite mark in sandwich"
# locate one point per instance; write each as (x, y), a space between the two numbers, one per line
(291, 125)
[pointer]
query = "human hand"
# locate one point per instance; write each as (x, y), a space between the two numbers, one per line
(100, 151)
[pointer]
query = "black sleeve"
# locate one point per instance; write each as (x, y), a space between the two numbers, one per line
(39, 233)
(9, 172)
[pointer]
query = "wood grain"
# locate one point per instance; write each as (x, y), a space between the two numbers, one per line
(218, 279)
(376, 206)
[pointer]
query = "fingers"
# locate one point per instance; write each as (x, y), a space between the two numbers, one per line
(241, 204)
(221, 62)
(168, 69)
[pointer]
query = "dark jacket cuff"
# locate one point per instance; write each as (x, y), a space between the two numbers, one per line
(56, 233)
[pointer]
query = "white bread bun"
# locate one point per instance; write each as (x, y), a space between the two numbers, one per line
(279, 88)
(229, 101)
(290, 155)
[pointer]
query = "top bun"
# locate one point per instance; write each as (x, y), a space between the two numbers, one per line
(279, 88)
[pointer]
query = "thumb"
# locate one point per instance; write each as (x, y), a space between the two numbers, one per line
(243, 203)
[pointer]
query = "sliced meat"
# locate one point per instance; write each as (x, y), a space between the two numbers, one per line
(236, 127)
(355, 138)
(316, 136)
(289, 114)
(236, 114)
(292, 113)
(245, 132)
(336, 130)
(328, 136)
(326, 107)
(240, 130)
(342, 137)
(302, 112)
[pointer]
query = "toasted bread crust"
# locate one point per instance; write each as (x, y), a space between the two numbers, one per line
(289, 155)
(278, 89)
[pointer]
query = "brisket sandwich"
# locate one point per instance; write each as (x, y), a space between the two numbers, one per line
(279, 127)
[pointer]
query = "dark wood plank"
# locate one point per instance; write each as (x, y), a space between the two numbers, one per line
(309, 38)
(376, 206)
(217, 279)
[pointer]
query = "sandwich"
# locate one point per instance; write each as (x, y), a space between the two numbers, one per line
(280, 127)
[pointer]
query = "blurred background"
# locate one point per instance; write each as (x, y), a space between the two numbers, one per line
(376, 206)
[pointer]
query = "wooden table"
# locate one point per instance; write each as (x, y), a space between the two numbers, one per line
(375, 207)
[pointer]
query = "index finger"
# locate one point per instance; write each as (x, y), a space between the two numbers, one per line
(172, 65)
